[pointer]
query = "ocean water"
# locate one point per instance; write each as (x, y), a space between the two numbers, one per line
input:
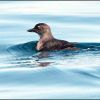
(26, 73)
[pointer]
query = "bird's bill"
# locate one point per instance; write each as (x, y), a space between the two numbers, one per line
(31, 30)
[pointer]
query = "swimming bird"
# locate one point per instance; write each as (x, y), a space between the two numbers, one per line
(47, 42)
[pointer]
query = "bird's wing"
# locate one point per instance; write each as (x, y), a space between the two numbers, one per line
(57, 44)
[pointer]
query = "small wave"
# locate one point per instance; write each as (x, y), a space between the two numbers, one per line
(23, 49)
(30, 48)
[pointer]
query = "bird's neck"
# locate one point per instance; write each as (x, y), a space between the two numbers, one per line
(43, 39)
(46, 37)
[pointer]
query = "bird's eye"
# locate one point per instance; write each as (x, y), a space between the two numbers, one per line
(38, 26)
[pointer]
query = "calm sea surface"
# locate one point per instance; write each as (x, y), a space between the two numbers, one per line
(26, 73)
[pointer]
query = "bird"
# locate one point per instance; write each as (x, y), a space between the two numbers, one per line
(47, 41)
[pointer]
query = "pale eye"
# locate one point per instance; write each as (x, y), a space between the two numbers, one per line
(38, 26)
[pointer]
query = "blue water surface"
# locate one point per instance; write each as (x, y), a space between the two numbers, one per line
(26, 73)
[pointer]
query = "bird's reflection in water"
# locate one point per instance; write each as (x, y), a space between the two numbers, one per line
(42, 55)
(44, 64)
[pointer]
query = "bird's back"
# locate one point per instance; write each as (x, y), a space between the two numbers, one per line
(56, 44)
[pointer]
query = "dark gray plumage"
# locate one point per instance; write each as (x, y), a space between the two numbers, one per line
(47, 41)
